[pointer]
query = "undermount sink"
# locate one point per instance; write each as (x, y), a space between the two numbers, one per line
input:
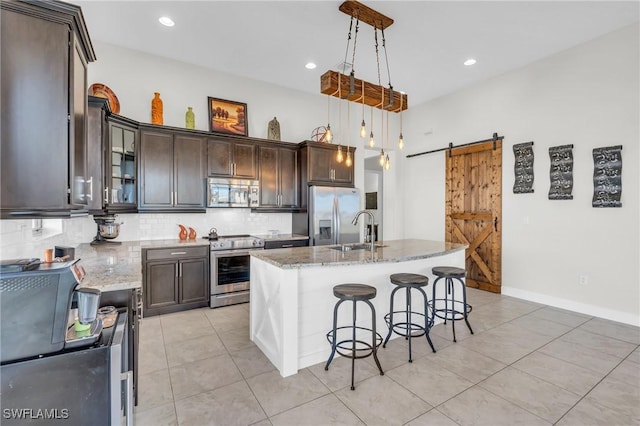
(356, 246)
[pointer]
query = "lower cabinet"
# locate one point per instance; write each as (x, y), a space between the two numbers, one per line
(175, 279)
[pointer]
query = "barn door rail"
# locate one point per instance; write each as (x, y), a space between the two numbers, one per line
(493, 139)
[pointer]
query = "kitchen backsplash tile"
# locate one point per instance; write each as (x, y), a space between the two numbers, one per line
(17, 239)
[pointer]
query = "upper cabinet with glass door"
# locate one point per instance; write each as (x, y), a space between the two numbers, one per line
(121, 176)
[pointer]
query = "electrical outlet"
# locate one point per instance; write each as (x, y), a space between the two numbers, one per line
(584, 280)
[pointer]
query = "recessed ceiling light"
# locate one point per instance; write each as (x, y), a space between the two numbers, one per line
(166, 21)
(310, 65)
(470, 61)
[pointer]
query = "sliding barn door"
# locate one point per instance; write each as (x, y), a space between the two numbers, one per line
(474, 210)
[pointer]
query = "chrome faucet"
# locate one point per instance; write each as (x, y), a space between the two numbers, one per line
(371, 219)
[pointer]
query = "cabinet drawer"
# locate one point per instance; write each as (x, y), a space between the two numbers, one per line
(175, 253)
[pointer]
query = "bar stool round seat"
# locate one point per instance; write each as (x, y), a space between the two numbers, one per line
(448, 307)
(352, 346)
(415, 324)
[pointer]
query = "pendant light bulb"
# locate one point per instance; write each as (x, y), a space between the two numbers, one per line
(401, 141)
(348, 161)
(363, 130)
(328, 136)
(372, 142)
(382, 157)
(387, 163)
(339, 157)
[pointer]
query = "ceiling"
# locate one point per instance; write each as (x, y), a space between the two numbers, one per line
(272, 41)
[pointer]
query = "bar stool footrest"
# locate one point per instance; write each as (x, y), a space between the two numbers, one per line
(453, 313)
(403, 329)
(363, 349)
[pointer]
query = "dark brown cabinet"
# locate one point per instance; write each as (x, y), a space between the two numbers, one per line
(171, 171)
(322, 168)
(111, 161)
(175, 279)
(231, 158)
(278, 177)
(44, 52)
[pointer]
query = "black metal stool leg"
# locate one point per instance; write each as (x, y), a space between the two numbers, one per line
(373, 336)
(409, 321)
(335, 335)
(386, 340)
(464, 299)
(427, 325)
(433, 301)
(353, 347)
(452, 293)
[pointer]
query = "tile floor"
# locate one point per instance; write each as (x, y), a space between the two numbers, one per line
(526, 364)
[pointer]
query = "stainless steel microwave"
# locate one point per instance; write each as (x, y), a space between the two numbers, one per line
(233, 193)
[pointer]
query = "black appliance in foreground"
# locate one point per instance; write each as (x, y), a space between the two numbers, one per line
(56, 369)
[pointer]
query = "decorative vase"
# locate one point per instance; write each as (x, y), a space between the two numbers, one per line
(192, 233)
(156, 109)
(183, 233)
(190, 119)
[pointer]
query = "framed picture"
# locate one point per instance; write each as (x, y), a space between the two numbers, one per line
(228, 117)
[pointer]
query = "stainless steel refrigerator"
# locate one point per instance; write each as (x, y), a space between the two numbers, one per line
(330, 212)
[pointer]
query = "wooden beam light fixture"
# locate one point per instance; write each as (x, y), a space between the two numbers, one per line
(337, 84)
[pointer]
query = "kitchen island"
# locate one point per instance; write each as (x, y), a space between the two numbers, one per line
(292, 299)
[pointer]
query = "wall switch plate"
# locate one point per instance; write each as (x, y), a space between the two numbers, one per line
(584, 280)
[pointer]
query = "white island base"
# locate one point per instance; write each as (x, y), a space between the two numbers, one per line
(292, 299)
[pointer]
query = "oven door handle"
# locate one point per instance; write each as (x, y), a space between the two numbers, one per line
(228, 253)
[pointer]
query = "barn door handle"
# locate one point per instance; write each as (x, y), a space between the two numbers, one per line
(495, 224)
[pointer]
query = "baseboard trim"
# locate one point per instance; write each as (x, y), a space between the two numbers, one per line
(570, 305)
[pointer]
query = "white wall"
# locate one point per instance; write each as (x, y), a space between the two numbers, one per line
(587, 96)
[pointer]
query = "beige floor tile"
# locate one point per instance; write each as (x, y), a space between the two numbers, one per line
(432, 418)
(229, 405)
(616, 330)
(194, 349)
(581, 356)
(627, 372)
(468, 364)
(277, 394)
(477, 297)
(429, 381)
(541, 398)
(199, 376)
(476, 406)
(395, 354)
(163, 415)
(265, 422)
(541, 325)
(505, 343)
(228, 318)
(600, 343)
(561, 373)
(236, 339)
(339, 374)
(251, 362)
(381, 401)
(154, 389)
(619, 396)
(326, 410)
(589, 412)
(150, 329)
(635, 356)
(184, 326)
(152, 356)
(561, 316)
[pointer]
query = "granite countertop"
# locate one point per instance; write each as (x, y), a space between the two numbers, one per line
(282, 237)
(112, 267)
(390, 251)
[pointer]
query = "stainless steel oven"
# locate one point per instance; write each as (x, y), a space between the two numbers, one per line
(230, 268)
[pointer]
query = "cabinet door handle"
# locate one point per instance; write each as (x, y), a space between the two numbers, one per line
(106, 195)
(234, 168)
(180, 269)
(286, 245)
(90, 183)
(175, 253)
(177, 270)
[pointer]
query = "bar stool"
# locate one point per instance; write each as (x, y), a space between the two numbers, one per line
(357, 348)
(454, 310)
(409, 328)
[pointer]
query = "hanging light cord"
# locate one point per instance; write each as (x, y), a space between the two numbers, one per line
(355, 41)
(346, 52)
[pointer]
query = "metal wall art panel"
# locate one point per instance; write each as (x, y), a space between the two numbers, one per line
(607, 176)
(523, 168)
(561, 172)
